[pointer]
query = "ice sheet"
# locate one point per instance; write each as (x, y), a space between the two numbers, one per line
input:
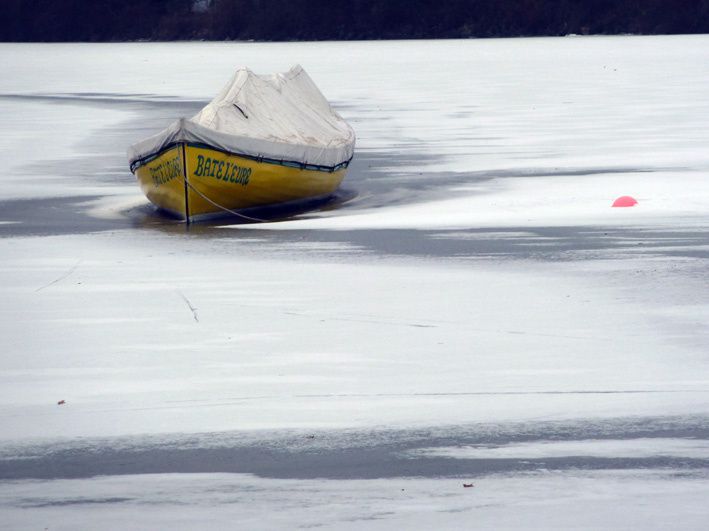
(478, 281)
(576, 500)
(614, 448)
(215, 337)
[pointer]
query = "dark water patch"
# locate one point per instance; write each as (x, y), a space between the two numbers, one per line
(108, 99)
(351, 454)
(31, 503)
(51, 217)
(69, 215)
(57, 216)
(519, 243)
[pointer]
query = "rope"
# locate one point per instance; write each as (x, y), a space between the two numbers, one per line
(222, 207)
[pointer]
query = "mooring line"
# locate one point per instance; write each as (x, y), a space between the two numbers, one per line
(222, 207)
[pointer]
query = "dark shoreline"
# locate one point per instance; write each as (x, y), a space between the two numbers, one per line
(347, 20)
(192, 39)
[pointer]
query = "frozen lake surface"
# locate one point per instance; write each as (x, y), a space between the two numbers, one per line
(467, 310)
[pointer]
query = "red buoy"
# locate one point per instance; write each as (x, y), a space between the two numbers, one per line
(625, 201)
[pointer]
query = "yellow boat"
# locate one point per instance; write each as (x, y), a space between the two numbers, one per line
(264, 140)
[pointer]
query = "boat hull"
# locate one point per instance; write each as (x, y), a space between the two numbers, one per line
(195, 181)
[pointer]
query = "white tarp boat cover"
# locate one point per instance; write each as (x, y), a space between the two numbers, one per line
(280, 117)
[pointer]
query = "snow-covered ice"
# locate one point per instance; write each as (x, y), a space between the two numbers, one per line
(317, 341)
(471, 310)
(614, 448)
(631, 499)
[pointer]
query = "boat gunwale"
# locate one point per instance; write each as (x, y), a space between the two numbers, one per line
(260, 159)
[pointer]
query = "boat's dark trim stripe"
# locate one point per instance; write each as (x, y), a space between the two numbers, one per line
(290, 163)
